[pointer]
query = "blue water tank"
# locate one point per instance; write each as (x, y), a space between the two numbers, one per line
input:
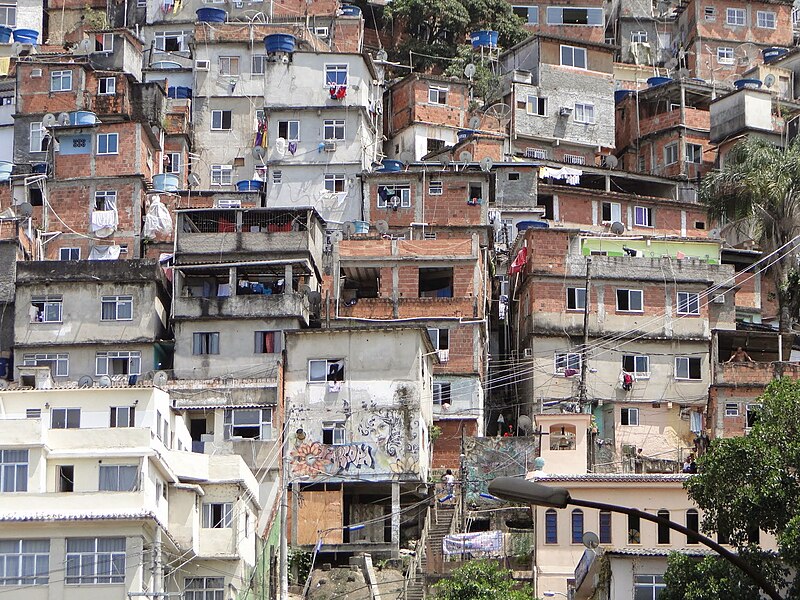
(770, 54)
(484, 39)
(249, 185)
(348, 10)
(5, 34)
(740, 84)
(523, 225)
(26, 36)
(4, 370)
(390, 166)
(82, 117)
(464, 134)
(165, 182)
(211, 15)
(654, 81)
(280, 42)
(620, 95)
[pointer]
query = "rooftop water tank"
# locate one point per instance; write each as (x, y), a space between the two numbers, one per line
(484, 39)
(770, 54)
(523, 225)
(390, 166)
(754, 84)
(464, 134)
(165, 182)
(620, 95)
(211, 15)
(654, 81)
(5, 34)
(279, 42)
(26, 36)
(249, 185)
(82, 117)
(348, 10)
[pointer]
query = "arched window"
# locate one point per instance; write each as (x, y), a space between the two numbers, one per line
(663, 530)
(551, 526)
(693, 523)
(577, 526)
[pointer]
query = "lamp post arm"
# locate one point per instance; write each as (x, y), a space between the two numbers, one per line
(735, 559)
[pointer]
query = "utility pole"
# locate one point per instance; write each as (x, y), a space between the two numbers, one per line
(463, 484)
(582, 395)
(284, 514)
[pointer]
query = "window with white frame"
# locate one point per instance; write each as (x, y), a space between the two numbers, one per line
(257, 64)
(221, 120)
(765, 19)
(105, 200)
(123, 362)
(69, 254)
(322, 370)
(574, 159)
(648, 587)
(173, 162)
(217, 515)
(58, 363)
(611, 211)
(8, 15)
(335, 75)
(334, 433)
(13, 471)
(572, 56)
(171, 41)
(688, 368)
(636, 364)
(584, 113)
(638, 37)
(46, 309)
(24, 562)
(335, 182)
(221, 174)
(387, 192)
(289, 130)
(629, 416)
(267, 342)
(435, 188)
(104, 42)
(536, 105)
(736, 16)
(725, 55)
(576, 298)
(688, 303)
(437, 94)
(122, 416)
(564, 15)
(277, 176)
(333, 130)
(529, 14)
(205, 343)
(643, 216)
(440, 338)
(441, 393)
(731, 409)
(670, 154)
(65, 418)
(107, 86)
(322, 31)
(116, 308)
(694, 153)
(39, 138)
(538, 153)
(95, 560)
(250, 423)
(630, 300)
(61, 81)
(567, 361)
(107, 143)
(204, 588)
(228, 65)
(119, 478)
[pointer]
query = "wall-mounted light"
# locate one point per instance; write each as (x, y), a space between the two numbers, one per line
(300, 434)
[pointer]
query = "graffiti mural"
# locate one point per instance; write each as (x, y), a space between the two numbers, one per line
(314, 459)
(490, 457)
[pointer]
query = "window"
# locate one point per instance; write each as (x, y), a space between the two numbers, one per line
(172, 162)
(434, 144)
(217, 515)
(530, 14)
(325, 370)
(725, 55)
(267, 342)
(513, 176)
(335, 182)
(693, 523)
(550, 526)
(61, 81)
(119, 478)
(435, 282)
(437, 95)
(538, 153)
(107, 86)
(46, 309)
(688, 303)
(39, 138)
(636, 364)
(647, 587)
(118, 363)
(662, 536)
(289, 130)
(731, 409)
(24, 562)
(221, 120)
(105, 200)
(204, 588)
(441, 393)
(257, 64)
(277, 175)
(536, 105)
(440, 338)
(634, 530)
(205, 343)
(612, 211)
(333, 433)
(643, 216)
(435, 188)
(228, 65)
(736, 16)
(33, 413)
(571, 56)
(567, 361)
(322, 32)
(605, 527)
(629, 301)
(66, 478)
(765, 19)
(8, 15)
(116, 308)
(694, 153)
(386, 193)
(753, 411)
(687, 367)
(670, 154)
(123, 416)
(170, 41)
(584, 113)
(638, 37)
(107, 143)
(577, 526)
(574, 159)
(95, 560)
(335, 75)
(710, 13)
(629, 416)
(250, 423)
(333, 130)
(104, 42)
(58, 363)
(557, 15)
(221, 174)
(13, 471)
(576, 298)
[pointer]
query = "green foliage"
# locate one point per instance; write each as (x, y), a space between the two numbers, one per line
(94, 19)
(436, 432)
(481, 580)
(485, 83)
(300, 563)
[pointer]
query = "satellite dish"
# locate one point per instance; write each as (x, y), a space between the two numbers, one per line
(25, 209)
(445, 160)
(63, 119)
(17, 48)
(524, 424)
(382, 55)
(382, 226)
(105, 381)
(769, 80)
(500, 111)
(349, 228)
(49, 120)
(610, 161)
(617, 228)
(259, 153)
(194, 179)
(85, 381)
(314, 298)
(105, 232)
(672, 63)
(160, 378)
(590, 540)
(684, 73)
(280, 146)
(486, 164)
(465, 156)
(85, 46)
(337, 236)
(714, 234)
(474, 122)
(469, 71)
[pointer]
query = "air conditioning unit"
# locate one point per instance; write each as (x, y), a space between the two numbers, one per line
(36, 72)
(527, 353)
(444, 355)
(719, 299)
(202, 65)
(330, 146)
(565, 111)
(228, 203)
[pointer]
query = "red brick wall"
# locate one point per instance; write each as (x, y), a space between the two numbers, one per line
(410, 103)
(447, 447)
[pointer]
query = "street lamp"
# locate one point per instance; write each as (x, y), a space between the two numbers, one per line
(554, 594)
(528, 492)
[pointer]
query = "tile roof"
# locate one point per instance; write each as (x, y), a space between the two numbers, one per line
(614, 477)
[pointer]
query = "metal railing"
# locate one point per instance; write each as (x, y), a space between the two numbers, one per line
(422, 546)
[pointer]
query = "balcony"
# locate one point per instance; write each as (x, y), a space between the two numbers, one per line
(750, 356)
(21, 432)
(383, 308)
(291, 304)
(85, 504)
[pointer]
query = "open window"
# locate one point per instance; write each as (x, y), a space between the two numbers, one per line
(360, 282)
(248, 423)
(322, 370)
(562, 437)
(436, 282)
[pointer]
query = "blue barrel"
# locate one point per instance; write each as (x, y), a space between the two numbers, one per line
(5, 34)
(361, 226)
(211, 15)
(620, 95)
(249, 185)
(523, 225)
(770, 54)
(5, 170)
(390, 166)
(279, 42)
(4, 362)
(39, 168)
(348, 10)
(484, 39)
(179, 92)
(165, 182)
(740, 84)
(654, 81)
(82, 117)
(464, 134)
(26, 36)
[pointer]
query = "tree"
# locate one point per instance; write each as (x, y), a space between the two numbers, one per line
(751, 483)
(758, 191)
(481, 580)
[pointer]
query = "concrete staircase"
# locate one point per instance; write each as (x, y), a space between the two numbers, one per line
(441, 521)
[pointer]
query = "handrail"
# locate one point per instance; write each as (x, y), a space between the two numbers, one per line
(417, 559)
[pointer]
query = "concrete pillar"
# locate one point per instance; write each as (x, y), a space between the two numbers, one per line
(232, 281)
(395, 519)
(287, 275)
